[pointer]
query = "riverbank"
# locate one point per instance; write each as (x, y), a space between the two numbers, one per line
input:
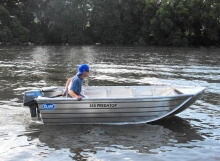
(140, 22)
(106, 45)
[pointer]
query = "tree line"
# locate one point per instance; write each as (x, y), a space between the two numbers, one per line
(141, 22)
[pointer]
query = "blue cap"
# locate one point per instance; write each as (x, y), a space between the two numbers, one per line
(82, 68)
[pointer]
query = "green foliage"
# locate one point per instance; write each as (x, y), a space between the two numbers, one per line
(157, 22)
(11, 29)
(105, 24)
(183, 23)
(6, 35)
(4, 15)
(20, 33)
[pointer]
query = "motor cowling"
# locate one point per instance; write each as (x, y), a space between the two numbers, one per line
(29, 100)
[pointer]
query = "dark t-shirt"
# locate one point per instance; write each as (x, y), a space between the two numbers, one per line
(76, 86)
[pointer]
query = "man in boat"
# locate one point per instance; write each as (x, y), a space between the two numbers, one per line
(74, 84)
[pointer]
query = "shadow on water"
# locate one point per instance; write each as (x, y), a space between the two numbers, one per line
(141, 138)
(181, 127)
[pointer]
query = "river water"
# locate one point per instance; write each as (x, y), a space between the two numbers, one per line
(193, 134)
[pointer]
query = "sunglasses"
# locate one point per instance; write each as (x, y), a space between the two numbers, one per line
(87, 71)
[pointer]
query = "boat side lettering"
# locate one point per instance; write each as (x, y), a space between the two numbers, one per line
(49, 106)
(30, 94)
(103, 105)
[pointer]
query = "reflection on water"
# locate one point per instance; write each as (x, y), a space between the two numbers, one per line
(195, 132)
(86, 140)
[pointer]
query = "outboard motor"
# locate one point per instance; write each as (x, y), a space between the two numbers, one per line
(29, 100)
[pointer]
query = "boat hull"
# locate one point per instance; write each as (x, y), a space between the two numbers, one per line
(110, 104)
(109, 111)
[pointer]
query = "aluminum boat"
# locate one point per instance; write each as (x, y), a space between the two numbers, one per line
(110, 104)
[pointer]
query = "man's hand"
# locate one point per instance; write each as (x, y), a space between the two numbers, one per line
(74, 95)
(79, 98)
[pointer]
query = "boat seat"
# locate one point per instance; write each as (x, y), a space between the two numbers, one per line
(139, 92)
(120, 92)
(109, 92)
(98, 93)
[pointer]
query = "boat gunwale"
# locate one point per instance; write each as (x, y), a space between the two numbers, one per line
(128, 99)
(111, 99)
